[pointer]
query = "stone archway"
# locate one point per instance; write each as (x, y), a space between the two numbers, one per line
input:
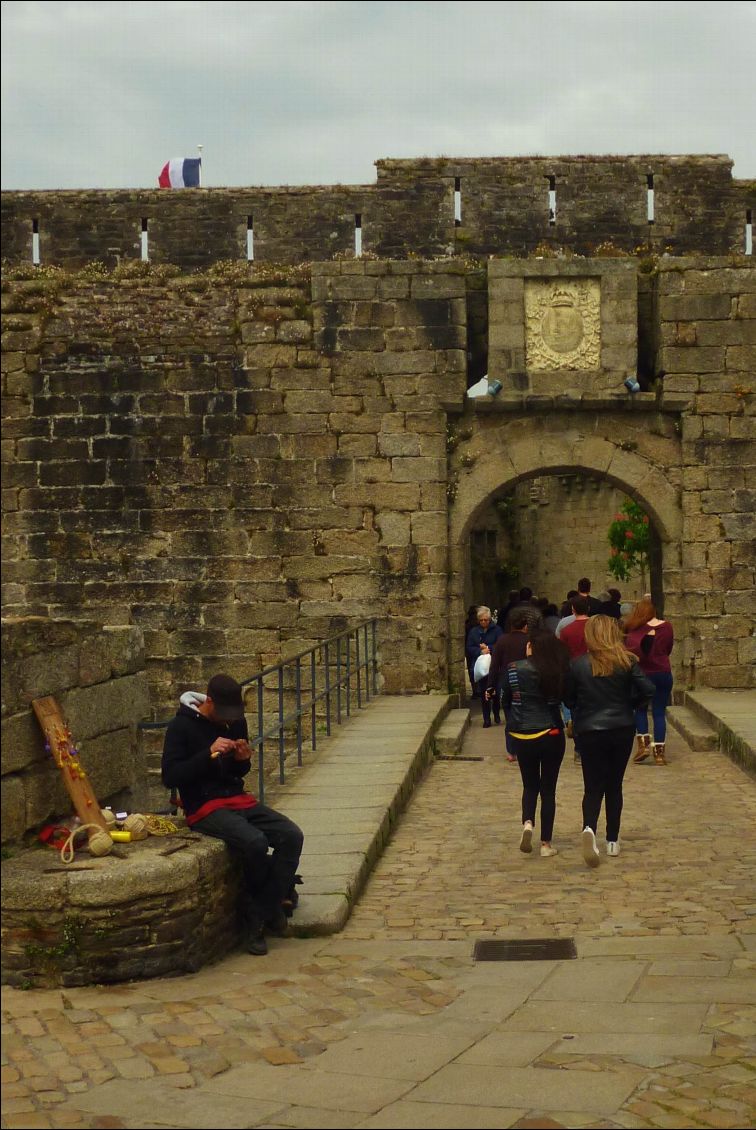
(572, 452)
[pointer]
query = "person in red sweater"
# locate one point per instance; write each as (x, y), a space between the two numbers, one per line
(652, 640)
(574, 634)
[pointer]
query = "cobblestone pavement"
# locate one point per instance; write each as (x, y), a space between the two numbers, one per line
(392, 1024)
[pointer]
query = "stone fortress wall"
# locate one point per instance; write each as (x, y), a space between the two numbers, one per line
(243, 459)
(505, 208)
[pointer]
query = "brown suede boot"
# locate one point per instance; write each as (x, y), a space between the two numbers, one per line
(659, 758)
(643, 744)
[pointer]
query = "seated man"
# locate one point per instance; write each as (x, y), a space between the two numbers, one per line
(205, 756)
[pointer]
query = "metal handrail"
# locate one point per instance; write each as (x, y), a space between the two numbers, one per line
(363, 638)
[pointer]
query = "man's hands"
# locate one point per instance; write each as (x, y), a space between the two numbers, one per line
(226, 747)
(484, 649)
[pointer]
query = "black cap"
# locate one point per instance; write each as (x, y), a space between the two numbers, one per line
(227, 698)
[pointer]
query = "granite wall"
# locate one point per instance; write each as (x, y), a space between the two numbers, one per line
(97, 675)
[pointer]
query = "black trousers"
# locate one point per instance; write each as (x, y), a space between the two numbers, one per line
(540, 761)
(489, 704)
(251, 832)
(604, 757)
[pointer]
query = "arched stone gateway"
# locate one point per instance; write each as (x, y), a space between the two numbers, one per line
(637, 476)
(509, 457)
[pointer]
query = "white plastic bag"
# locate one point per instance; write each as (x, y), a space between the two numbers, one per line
(482, 667)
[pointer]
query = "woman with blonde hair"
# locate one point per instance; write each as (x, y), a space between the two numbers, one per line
(604, 689)
(651, 640)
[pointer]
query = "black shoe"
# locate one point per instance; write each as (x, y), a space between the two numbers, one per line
(256, 943)
(497, 721)
(486, 725)
(277, 925)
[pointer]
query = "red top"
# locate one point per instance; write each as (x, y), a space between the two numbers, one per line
(243, 800)
(573, 636)
(654, 657)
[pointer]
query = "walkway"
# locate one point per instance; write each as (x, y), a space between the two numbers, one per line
(391, 1023)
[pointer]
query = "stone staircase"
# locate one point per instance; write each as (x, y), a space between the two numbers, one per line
(718, 720)
(448, 739)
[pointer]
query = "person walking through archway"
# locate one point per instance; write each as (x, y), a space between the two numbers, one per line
(531, 694)
(509, 647)
(480, 642)
(605, 687)
(651, 640)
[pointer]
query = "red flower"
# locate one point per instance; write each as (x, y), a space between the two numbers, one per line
(629, 534)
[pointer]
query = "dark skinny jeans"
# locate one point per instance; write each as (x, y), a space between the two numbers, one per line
(250, 832)
(604, 756)
(540, 761)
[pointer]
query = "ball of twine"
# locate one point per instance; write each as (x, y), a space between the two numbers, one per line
(100, 842)
(137, 825)
(108, 816)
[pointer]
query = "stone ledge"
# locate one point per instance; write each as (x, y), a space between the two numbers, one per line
(451, 732)
(169, 905)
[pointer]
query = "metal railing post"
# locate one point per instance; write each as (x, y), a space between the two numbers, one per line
(349, 676)
(338, 680)
(260, 741)
(359, 673)
(281, 751)
(313, 690)
(298, 685)
(328, 687)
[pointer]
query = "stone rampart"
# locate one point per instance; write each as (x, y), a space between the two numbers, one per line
(505, 207)
(245, 461)
(97, 675)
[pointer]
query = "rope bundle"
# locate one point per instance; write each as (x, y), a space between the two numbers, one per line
(100, 842)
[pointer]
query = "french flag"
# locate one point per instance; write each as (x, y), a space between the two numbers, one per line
(181, 172)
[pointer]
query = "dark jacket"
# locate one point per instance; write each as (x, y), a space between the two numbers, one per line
(604, 702)
(476, 636)
(528, 712)
(188, 766)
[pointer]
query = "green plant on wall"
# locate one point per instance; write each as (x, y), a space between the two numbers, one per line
(628, 536)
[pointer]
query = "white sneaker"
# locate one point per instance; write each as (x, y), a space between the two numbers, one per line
(547, 851)
(612, 847)
(590, 850)
(526, 839)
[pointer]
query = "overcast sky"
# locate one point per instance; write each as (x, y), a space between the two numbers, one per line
(101, 95)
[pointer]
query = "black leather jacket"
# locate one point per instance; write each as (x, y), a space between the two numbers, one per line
(527, 710)
(605, 702)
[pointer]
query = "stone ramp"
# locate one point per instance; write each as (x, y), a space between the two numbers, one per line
(349, 796)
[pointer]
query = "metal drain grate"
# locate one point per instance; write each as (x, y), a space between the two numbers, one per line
(534, 949)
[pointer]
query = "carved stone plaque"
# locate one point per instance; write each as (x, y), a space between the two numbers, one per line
(563, 323)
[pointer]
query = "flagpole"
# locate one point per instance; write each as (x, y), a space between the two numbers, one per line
(199, 150)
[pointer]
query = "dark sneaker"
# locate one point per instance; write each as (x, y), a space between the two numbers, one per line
(256, 943)
(277, 925)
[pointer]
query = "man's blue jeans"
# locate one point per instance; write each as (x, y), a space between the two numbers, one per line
(662, 681)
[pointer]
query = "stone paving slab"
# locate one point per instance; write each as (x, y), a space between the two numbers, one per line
(661, 1019)
(483, 1085)
(591, 980)
(407, 1115)
(159, 1102)
(307, 1086)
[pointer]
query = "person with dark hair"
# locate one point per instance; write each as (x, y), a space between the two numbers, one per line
(651, 640)
(584, 590)
(550, 617)
(573, 636)
(206, 756)
(480, 642)
(527, 605)
(566, 613)
(612, 606)
(508, 648)
(531, 695)
(604, 689)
